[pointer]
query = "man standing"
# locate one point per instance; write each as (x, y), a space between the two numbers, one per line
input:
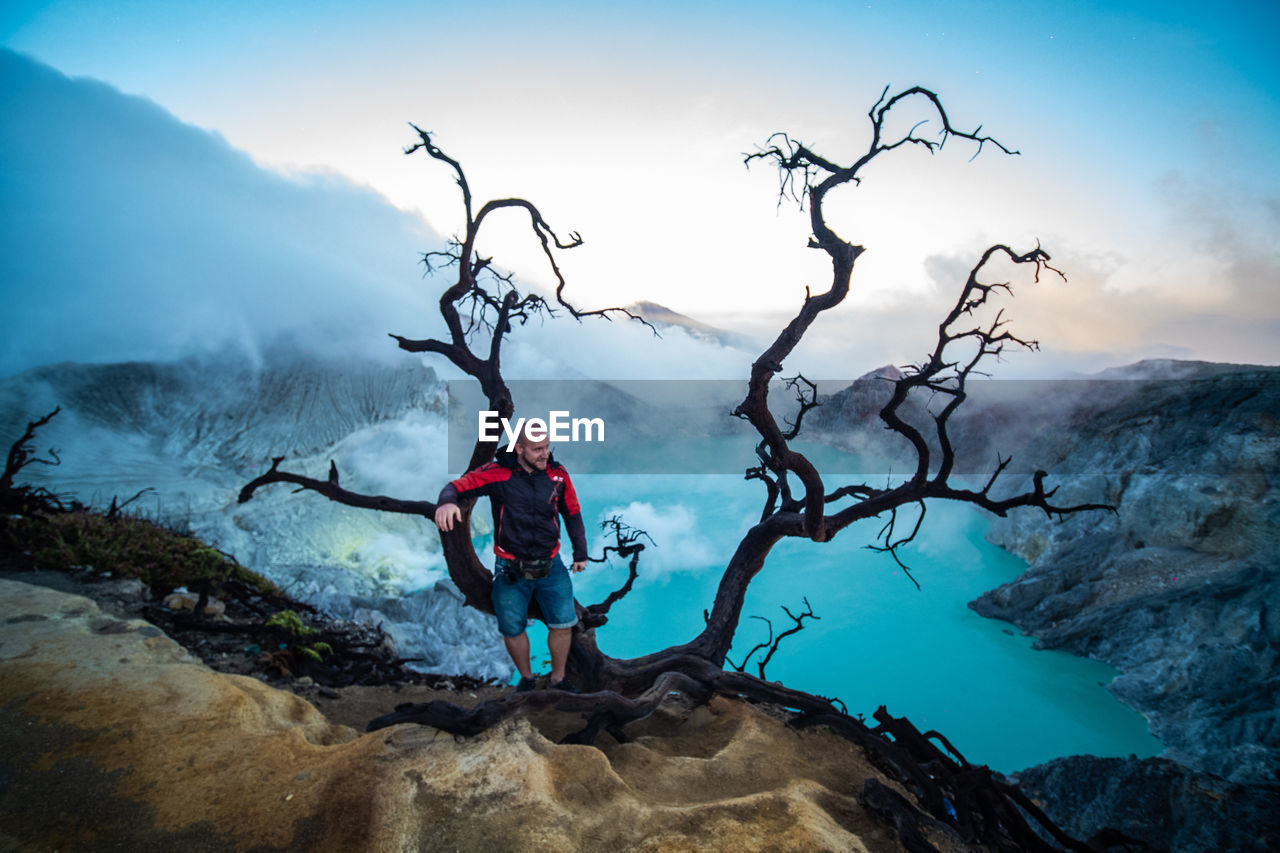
(528, 492)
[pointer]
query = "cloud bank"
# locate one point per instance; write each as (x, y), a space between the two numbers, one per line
(128, 235)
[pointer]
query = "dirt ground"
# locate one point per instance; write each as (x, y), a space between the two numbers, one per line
(354, 705)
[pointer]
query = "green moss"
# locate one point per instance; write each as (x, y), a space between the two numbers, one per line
(316, 651)
(292, 622)
(124, 547)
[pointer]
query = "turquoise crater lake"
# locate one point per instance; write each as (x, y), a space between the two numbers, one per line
(879, 640)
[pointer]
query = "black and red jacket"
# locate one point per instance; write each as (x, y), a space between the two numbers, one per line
(526, 507)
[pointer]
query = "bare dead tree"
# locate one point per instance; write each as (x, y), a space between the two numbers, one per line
(769, 647)
(799, 502)
(118, 506)
(627, 544)
(21, 455)
(26, 499)
(818, 513)
(480, 303)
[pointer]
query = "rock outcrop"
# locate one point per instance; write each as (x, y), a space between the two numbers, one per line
(1180, 588)
(113, 737)
(1169, 806)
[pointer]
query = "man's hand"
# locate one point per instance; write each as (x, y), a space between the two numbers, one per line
(446, 515)
(579, 566)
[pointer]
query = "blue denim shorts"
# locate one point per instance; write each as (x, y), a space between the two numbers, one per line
(554, 594)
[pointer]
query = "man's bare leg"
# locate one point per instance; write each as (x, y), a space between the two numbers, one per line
(558, 641)
(518, 648)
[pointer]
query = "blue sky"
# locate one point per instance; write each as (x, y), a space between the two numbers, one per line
(1147, 130)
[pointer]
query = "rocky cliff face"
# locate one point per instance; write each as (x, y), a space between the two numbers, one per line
(231, 414)
(1180, 588)
(113, 737)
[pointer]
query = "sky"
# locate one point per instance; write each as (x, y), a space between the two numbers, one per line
(255, 181)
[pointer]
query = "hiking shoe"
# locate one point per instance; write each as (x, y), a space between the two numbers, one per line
(526, 684)
(565, 686)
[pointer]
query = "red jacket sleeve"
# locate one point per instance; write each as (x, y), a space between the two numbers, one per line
(477, 480)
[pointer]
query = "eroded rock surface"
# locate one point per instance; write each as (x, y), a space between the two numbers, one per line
(113, 737)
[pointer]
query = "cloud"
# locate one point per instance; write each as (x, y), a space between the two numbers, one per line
(395, 457)
(1235, 228)
(1207, 288)
(682, 539)
(1218, 301)
(619, 349)
(1197, 276)
(128, 235)
(1204, 284)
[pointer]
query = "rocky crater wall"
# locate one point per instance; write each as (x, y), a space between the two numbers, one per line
(1180, 588)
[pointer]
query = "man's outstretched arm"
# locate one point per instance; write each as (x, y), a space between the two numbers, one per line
(448, 512)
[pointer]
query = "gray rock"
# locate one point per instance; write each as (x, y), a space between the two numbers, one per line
(1157, 801)
(1180, 588)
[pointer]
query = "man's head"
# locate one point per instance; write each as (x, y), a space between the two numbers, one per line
(532, 455)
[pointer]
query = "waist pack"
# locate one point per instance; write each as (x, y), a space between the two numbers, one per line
(528, 570)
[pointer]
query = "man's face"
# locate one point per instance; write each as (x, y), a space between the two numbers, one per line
(533, 454)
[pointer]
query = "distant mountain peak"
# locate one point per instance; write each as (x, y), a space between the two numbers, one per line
(1170, 368)
(665, 318)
